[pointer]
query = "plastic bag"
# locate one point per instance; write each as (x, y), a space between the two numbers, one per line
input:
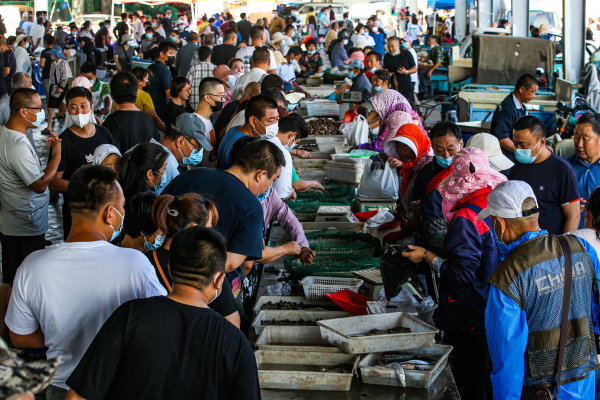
(395, 270)
(381, 217)
(378, 183)
(359, 132)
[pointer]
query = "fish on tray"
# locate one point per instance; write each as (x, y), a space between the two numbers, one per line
(407, 362)
(376, 332)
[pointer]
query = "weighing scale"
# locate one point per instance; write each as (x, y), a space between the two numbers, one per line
(351, 97)
(334, 214)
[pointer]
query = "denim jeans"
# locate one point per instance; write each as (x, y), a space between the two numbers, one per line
(56, 393)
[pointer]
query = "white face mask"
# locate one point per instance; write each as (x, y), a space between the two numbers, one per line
(216, 293)
(270, 131)
(82, 120)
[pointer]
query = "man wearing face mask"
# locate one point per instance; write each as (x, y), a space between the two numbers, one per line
(402, 64)
(261, 120)
(212, 96)
(78, 144)
(23, 187)
(185, 55)
(360, 83)
(52, 290)
(552, 179)
(160, 76)
(215, 359)
(339, 54)
(186, 142)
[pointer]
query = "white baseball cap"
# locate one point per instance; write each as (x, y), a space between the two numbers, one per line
(491, 146)
(506, 201)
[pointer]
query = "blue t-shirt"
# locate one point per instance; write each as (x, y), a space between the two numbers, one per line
(588, 179)
(160, 82)
(379, 39)
(240, 212)
(554, 184)
(232, 135)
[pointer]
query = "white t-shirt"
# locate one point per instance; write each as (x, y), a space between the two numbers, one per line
(210, 136)
(283, 184)
(356, 39)
(588, 235)
(255, 75)
(70, 290)
(414, 77)
(37, 32)
(286, 44)
(238, 119)
(245, 55)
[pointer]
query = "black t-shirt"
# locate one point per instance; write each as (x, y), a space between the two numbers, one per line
(392, 63)
(9, 61)
(158, 348)
(222, 53)
(120, 29)
(167, 24)
(129, 128)
(46, 70)
(554, 184)
(173, 111)
(243, 28)
(224, 304)
(98, 38)
(88, 47)
(77, 151)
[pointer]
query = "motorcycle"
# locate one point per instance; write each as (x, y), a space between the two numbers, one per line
(566, 117)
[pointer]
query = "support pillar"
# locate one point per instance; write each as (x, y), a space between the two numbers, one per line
(520, 18)
(484, 13)
(574, 38)
(460, 19)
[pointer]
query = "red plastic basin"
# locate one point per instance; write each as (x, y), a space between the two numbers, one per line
(352, 302)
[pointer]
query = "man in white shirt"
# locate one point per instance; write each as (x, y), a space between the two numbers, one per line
(37, 34)
(257, 34)
(288, 39)
(63, 295)
(261, 63)
(138, 28)
(212, 97)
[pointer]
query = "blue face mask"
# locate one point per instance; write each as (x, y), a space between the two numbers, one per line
(351, 74)
(373, 70)
(291, 106)
(39, 117)
(395, 54)
(288, 147)
(293, 34)
(502, 247)
(194, 158)
(158, 242)
(524, 155)
(378, 88)
(311, 52)
(163, 183)
(443, 162)
(262, 196)
(117, 233)
(404, 45)
(173, 39)
(231, 79)
(149, 36)
(153, 25)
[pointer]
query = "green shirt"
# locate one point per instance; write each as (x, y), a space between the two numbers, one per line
(438, 55)
(295, 176)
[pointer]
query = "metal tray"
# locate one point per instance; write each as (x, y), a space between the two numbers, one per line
(293, 299)
(304, 380)
(294, 316)
(347, 226)
(294, 338)
(414, 379)
(338, 333)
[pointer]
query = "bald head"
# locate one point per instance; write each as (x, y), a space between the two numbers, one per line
(252, 89)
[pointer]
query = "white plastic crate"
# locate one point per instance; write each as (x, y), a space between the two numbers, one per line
(344, 175)
(316, 287)
(322, 108)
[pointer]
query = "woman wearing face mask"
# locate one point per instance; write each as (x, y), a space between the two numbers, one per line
(124, 53)
(381, 82)
(237, 65)
(180, 92)
(23, 61)
(78, 141)
(139, 229)
(176, 39)
(228, 77)
(311, 62)
(143, 170)
(144, 101)
(171, 214)
(401, 64)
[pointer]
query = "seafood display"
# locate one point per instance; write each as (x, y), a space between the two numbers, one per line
(334, 369)
(290, 306)
(322, 126)
(405, 362)
(398, 329)
(287, 322)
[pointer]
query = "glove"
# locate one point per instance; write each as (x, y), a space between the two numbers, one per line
(332, 97)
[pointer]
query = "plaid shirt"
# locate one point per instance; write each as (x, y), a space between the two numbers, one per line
(198, 72)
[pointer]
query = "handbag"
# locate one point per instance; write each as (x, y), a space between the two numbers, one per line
(543, 393)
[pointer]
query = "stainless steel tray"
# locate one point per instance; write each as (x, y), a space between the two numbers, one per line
(294, 338)
(341, 333)
(293, 299)
(378, 375)
(304, 380)
(266, 315)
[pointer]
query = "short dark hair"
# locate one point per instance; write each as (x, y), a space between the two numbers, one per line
(289, 27)
(271, 80)
(258, 105)
(532, 124)
(383, 74)
(165, 46)
(310, 42)
(40, 20)
(261, 56)
(443, 128)
(256, 32)
(139, 215)
(196, 255)
(239, 145)
(433, 37)
(78, 91)
(192, 36)
(294, 123)
(365, 49)
(593, 119)
(207, 85)
(139, 73)
(526, 81)
(211, 20)
(49, 39)
(243, 15)
(275, 93)
(230, 33)
(91, 187)
(123, 16)
(124, 87)
(295, 51)
(376, 54)
(88, 67)
(204, 52)
(230, 63)
(261, 155)
(177, 85)
(21, 98)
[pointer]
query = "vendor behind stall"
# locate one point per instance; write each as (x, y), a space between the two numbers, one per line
(360, 82)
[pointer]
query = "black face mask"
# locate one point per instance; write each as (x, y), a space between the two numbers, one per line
(170, 61)
(217, 107)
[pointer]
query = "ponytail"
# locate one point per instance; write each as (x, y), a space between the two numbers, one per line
(170, 214)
